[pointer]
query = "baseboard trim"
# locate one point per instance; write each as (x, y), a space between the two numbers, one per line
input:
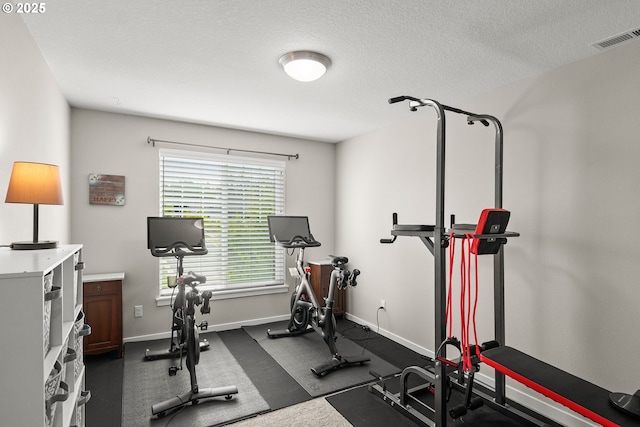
(212, 328)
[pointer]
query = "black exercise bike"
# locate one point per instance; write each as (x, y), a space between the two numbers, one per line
(180, 237)
(307, 315)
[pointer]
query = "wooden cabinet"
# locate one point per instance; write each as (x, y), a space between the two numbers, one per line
(103, 311)
(320, 280)
(42, 377)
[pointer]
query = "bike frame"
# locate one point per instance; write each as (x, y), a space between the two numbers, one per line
(321, 318)
(189, 333)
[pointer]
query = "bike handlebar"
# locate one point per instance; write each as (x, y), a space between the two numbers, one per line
(298, 241)
(402, 98)
(393, 239)
(178, 249)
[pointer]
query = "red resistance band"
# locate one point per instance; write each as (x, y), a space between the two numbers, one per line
(467, 313)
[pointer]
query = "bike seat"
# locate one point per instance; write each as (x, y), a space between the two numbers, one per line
(338, 260)
(192, 277)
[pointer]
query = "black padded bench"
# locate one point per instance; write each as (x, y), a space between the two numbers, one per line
(579, 395)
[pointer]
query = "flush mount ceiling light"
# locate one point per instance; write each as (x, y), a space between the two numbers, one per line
(305, 66)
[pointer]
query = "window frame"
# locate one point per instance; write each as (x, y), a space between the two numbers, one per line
(222, 161)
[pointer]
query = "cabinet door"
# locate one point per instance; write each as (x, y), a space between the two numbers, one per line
(320, 281)
(103, 312)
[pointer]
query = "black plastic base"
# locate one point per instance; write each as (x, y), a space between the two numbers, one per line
(22, 246)
(335, 363)
(169, 354)
(280, 333)
(161, 408)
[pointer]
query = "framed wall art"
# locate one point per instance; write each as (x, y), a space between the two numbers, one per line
(106, 189)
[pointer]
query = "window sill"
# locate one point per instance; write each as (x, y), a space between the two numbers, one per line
(164, 300)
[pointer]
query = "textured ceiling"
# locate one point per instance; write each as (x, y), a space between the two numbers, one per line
(216, 61)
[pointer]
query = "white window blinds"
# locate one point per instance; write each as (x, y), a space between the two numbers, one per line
(234, 195)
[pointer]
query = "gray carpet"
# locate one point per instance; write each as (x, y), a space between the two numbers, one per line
(147, 383)
(314, 413)
(298, 354)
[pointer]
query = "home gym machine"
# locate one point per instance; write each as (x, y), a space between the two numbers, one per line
(579, 395)
(436, 239)
(179, 237)
(292, 232)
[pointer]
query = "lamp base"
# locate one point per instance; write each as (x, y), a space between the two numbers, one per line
(47, 244)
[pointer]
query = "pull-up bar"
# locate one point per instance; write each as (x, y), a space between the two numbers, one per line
(417, 102)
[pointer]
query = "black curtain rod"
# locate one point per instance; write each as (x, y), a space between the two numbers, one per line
(153, 141)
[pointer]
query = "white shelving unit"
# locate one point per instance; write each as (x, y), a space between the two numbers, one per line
(27, 317)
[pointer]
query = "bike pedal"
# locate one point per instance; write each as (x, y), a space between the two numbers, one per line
(173, 370)
(204, 325)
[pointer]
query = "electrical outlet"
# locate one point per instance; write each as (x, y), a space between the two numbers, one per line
(383, 304)
(137, 311)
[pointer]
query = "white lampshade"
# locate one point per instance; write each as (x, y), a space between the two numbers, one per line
(305, 66)
(36, 184)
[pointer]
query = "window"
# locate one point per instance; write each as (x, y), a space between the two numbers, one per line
(234, 195)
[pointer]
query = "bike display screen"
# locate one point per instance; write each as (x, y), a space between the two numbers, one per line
(284, 228)
(169, 232)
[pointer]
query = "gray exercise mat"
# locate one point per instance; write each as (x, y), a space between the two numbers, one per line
(297, 355)
(148, 382)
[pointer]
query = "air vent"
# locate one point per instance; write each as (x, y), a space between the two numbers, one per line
(616, 40)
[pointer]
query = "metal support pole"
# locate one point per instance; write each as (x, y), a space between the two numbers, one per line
(498, 259)
(499, 321)
(440, 285)
(35, 223)
(498, 266)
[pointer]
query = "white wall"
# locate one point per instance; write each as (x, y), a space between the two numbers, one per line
(34, 127)
(571, 173)
(115, 237)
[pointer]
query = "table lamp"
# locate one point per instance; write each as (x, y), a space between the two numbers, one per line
(37, 184)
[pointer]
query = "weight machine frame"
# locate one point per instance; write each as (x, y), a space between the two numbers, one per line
(436, 239)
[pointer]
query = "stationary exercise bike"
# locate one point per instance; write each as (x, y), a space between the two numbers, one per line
(306, 313)
(180, 237)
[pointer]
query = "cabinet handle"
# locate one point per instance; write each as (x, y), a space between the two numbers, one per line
(80, 265)
(98, 288)
(61, 395)
(71, 356)
(85, 396)
(55, 292)
(86, 330)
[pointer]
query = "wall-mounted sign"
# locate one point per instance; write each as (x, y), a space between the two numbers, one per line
(106, 189)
